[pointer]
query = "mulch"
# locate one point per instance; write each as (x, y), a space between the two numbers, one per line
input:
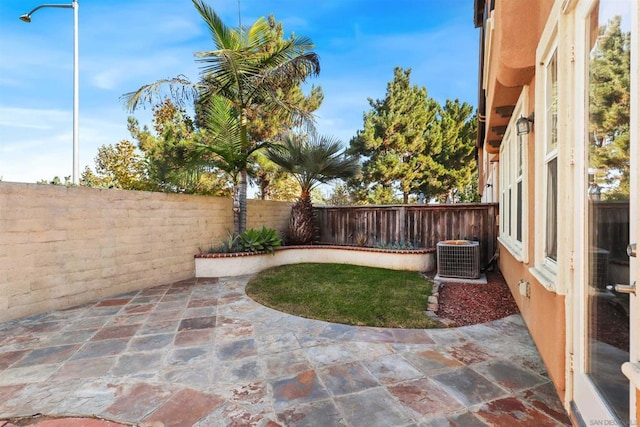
(470, 303)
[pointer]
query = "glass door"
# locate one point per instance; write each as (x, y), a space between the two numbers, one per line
(602, 391)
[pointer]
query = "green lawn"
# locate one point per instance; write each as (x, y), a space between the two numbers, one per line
(348, 294)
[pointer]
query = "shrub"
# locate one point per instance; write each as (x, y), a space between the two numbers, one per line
(251, 240)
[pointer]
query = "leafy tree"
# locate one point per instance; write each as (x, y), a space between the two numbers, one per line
(246, 69)
(470, 193)
(340, 196)
(163, 159)
(349, 193)
(317, 197)
(120, 166)
(55, 181)
(393, 140)
(312, 160)
(170, 153)
(609, 108)
(273, 183)
(371, 194)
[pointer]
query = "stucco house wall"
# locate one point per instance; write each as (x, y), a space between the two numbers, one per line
(518, 41)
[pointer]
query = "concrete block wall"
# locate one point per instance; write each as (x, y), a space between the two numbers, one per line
(63, 246)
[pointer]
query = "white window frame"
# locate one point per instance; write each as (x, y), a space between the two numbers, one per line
(513, 171)
(545, 269)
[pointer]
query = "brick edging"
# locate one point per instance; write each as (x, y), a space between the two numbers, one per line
(346, 248)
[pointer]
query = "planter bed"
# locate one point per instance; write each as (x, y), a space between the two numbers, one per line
(237, 264)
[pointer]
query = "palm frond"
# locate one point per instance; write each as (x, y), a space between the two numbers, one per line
(257, 34)
(253, 74)
(222, 120)
(179, 89)
(290, 63)
(313, 160)
(221, 144)
(223, 36)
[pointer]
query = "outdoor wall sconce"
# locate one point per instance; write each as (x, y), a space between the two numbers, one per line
(524, 124)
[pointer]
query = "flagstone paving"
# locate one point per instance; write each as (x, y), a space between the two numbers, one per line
(201, 353)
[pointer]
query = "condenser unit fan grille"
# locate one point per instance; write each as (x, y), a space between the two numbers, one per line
(459, 259)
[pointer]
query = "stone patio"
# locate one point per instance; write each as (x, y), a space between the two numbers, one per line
(201, 353)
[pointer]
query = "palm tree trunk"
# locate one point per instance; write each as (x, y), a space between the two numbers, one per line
(301, 230)
(242, 186)
(264, 188)
(242, 200)
(236, 209)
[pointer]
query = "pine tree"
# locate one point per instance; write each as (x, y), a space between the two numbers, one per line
(609, 108)
(413, 147)
(393, 140)
(455, 132)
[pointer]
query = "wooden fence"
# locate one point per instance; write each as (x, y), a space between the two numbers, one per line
(421, 226)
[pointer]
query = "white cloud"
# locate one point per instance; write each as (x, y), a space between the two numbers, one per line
(139, 70)
(38, 143)
(31, 118)
(107, 79)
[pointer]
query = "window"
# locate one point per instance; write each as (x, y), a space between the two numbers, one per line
(551, 158)
(547, 139)
(513, 185)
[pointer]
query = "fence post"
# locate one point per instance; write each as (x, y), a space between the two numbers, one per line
(403, 225)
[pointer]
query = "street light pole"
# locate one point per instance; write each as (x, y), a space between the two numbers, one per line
(76, 80)
(76, 95)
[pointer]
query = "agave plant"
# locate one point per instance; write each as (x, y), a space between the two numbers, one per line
(312, 160)
(250, 240)
(264, 240)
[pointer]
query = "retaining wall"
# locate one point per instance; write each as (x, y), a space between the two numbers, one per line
(217, 265)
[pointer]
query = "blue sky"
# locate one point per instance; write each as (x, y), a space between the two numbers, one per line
(125, 44)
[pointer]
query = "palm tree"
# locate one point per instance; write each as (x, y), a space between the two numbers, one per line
(312, 160)
(246, 68)
(221, 146)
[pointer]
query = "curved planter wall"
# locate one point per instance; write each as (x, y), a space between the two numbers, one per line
(236, 264)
